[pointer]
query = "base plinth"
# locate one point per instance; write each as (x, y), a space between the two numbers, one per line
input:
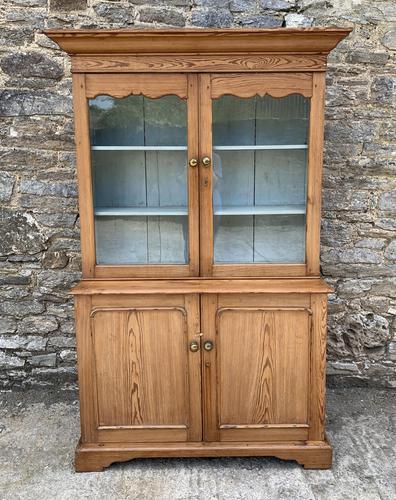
(96, 457)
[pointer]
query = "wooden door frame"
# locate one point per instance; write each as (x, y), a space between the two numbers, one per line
(86, 307)
(86, 86)
(315, 304)
(310, 85)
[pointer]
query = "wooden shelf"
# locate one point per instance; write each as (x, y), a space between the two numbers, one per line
(177, 211)
(238, 210)
(261, 210)
(139, 211)
(259, 147)
(215, 148)
(139, 148)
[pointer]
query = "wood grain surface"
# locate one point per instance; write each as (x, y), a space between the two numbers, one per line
(198, 40)
(198, 63)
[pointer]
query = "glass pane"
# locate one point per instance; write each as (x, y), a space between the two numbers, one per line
(259, 168)
(139, 168)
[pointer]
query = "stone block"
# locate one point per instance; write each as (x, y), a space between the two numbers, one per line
(7, 325)
(213, 4)
(20, 234)
(282, 5)
(68, 327)
(243, 5)
(164, 16)
(20, 308)
(294, 20)
(26, 103)
(219, 18)
(31, 342)
(366, 330)
(390, 251)
(56, 220)
(351, 256)
(52, 204)
(383, 90)
(55, 260)
(48, 280)
(342, 368)
(67, 5)
(31, 64)
(32, 18)
(9, 362)
(163, 3)
(353, 288)
(68, 356)
(367, 57)
(392, 351)
(374, 243)
(61, 341)
(48, 360)
(38, 324)
(117, 13)
(39, 188)
(387, 202)
(389, 39)
(350, 131)
(7, 182)
(15, 37)
(14, 280)
(262, 21)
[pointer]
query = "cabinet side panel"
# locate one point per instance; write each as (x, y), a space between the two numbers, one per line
(83, 154)
(315, 160)
(318, 367)
(86, 370)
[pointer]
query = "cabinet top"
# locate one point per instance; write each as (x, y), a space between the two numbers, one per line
(198, 40)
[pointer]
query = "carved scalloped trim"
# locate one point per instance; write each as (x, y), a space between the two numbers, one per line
(121, 95)
(124, 85)
(271, 92)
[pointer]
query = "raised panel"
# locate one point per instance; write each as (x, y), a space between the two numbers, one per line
(141, 366)
(263, 372)
(143, 373)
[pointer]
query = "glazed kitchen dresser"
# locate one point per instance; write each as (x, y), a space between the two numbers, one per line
(201, 315)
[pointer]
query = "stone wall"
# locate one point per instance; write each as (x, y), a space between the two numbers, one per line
(39, 224)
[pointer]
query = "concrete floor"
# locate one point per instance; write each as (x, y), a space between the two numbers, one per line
(38, 432)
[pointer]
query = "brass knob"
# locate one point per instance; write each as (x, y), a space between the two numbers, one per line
(193, 162)
(208, 345)
(194, 346)
(206, 161)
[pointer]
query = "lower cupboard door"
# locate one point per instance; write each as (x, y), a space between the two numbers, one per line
(256, 375)
(147, 378)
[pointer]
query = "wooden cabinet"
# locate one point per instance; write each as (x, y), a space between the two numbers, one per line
(201, 315)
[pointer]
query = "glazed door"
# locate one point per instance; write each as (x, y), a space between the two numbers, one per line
(139, 197)
(147, 368)
(256, 362)
(260, 174)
